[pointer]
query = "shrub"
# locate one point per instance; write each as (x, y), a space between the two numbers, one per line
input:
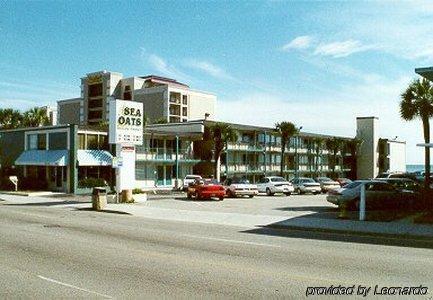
(32, 183)
(91, 183)
(137, 191)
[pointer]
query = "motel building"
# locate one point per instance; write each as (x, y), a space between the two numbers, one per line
(71, 156)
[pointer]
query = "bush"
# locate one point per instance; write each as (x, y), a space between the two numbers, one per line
(91, 183)
(6, 184)
(137, 191)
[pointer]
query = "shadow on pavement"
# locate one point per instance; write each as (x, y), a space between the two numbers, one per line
(50, 203)
(344, 237)
(185, 199)
(104, 211)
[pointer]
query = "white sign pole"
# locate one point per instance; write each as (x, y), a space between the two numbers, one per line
(362, 203)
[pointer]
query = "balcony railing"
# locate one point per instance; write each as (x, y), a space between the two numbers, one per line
(160, 154)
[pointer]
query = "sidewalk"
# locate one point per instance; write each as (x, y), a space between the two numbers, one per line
(395, 229)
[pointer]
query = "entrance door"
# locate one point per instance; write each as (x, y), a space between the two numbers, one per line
(59, 177)
(160, 175)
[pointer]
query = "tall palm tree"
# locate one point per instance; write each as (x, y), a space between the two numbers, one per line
(417, 102)
(334, 145)
(222, 134)
(10, 118)
(318, 143)
(286, 131)
(36, 117)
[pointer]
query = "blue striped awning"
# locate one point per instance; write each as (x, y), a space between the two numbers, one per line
(43, 158)
(94, 158)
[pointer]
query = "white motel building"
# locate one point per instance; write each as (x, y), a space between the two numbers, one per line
(66, 156)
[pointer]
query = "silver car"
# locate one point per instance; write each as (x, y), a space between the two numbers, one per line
(378, 194)
(303, 185)
(275, 184)
(327, 184)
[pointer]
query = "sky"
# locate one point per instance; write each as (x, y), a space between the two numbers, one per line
(317, 64)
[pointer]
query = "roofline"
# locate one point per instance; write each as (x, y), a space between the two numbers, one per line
(272, 129)
(70, 100)
(372, 117)
(35, 128)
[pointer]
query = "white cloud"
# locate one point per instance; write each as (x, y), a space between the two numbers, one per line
(342, 49)
(208, 68)
(300, 42)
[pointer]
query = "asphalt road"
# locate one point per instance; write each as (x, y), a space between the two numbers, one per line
(64, 253)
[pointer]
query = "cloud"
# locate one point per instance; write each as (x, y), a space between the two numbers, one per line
(298, 43)
(208, 68)
(341, 49)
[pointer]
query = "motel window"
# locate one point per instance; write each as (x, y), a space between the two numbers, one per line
(95, 90)
(185, 100)
(58, 141)
(92, 141)
(184, 111)
(81, 141)
(96, 114)
(95, 103)
(37, 141)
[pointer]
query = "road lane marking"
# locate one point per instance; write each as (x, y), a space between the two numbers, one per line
(231, 241)
(74, 287)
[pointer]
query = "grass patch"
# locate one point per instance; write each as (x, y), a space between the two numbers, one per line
(425, 218)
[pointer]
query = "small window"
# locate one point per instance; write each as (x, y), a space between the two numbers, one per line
(185, 100)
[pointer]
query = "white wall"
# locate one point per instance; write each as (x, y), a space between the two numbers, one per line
(397, 156)
(368, 154)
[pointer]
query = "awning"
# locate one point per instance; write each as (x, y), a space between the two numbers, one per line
(43, 158)
(94, 158)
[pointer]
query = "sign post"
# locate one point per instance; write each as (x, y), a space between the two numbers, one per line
(362, 203)
(125, 131)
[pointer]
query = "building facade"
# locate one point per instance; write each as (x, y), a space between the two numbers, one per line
(164, 99)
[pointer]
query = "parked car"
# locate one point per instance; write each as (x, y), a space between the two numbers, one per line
(205, 189)
(388, 175)
(275, 184)
(189, 179)
(240, 187)
(379, 194)
(327, 184)
(404, 185)
(304, 185)
(343, 181)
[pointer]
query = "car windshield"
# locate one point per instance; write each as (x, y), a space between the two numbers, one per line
(353, 185)
(277, 179)
(306, 180)
(192, 177)
(241, 180)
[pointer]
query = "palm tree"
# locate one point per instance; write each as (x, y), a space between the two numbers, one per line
(36, 117)
(286, 131)
(417, 102)
(318, 143)
(222, 134)
(10, 118)
(334, 145)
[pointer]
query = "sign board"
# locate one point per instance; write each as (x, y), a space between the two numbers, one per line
(125, 179)
(126, 122)
(117, 162)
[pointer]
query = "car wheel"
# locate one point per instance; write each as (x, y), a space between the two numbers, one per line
(287, 194)
(251, 196)
(189, 196)
(300, 192)
(268, 192)
(229, 194)
(221, 198)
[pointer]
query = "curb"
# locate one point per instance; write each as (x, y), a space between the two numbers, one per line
(351, 232)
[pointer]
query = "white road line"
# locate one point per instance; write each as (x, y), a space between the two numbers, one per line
(231, 241)
(74, 287)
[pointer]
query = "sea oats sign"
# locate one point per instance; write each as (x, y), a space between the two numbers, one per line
(126, 122)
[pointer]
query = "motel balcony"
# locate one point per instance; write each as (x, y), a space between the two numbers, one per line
(161, 155)
(247, 147)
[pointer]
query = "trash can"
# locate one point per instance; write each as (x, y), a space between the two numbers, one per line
(99, 198)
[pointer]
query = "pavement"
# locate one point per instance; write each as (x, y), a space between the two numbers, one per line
(59, 249)
(303, 212)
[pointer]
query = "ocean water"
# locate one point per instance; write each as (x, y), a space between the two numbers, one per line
(414, 168)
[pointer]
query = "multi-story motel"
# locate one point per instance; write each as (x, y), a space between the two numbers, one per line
(66, 155)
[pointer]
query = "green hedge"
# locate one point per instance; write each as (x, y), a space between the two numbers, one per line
(91, 183)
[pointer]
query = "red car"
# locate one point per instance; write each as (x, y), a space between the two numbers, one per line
(205, 189)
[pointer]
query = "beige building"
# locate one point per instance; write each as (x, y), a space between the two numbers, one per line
(163, 98)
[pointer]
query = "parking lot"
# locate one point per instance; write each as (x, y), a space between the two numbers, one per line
(278, 205)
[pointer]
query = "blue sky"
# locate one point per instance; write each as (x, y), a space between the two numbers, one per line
(318, 64)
